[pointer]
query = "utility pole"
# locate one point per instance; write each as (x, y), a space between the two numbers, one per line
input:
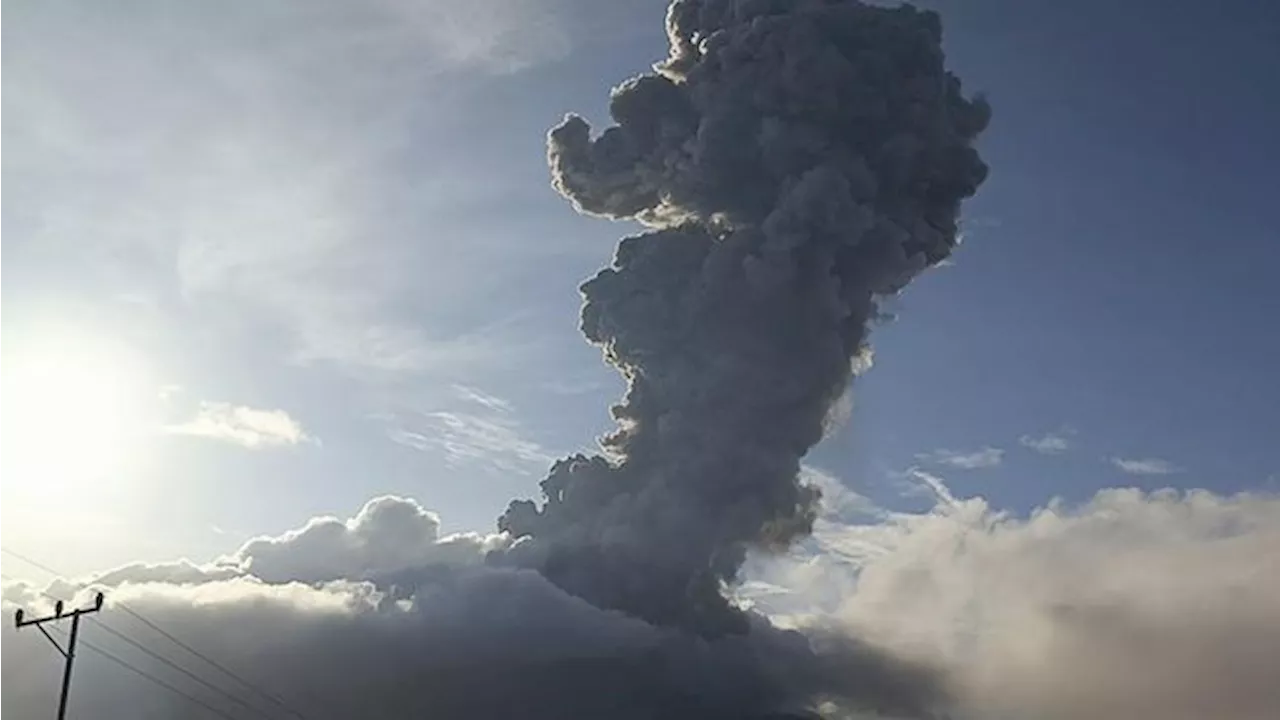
(70, 652)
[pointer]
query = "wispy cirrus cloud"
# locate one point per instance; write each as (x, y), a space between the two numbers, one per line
(986, 457)
(496, 441)
(1050, 443)
(225, 174)
(1145, 466)
(480, 397)
(249, 427)
(482, 429)
(839, 501)
(934, 485)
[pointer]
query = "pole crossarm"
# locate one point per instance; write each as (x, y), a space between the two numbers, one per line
(21, 620)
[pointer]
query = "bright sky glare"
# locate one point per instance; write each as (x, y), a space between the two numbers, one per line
(76, 410)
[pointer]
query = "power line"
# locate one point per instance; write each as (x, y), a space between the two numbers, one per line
(29, 561)
(105, 654)
(138, 616)
(182, 670)
(157, 681)
(212, 662)
(68, 653)
(116, 659)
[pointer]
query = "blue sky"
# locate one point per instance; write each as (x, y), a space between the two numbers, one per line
(1123, 288)
(315, 249)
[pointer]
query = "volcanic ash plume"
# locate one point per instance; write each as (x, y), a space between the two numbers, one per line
(796, 160)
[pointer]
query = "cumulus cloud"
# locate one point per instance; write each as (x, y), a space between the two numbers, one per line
(986, 457)
(1133, 604)
(388, 535)
(380, 616)
(375, 615)
(1051, 443)
(1149, 605)
(249, 427)
(1145, 466)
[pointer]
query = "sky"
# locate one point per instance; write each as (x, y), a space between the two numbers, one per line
(264, 262)
(342, 216)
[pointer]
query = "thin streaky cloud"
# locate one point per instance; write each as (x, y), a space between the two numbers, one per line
(839, 501)
(480, 397)
(485, 432)
(936, 485)
(473, 438)
(986, 457)
(1051, 443)
(1145, 466)
(915, 482)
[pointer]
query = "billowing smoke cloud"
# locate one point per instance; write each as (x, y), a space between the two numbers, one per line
(797, 160)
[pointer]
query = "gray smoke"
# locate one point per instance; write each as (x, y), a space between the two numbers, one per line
(798, 160)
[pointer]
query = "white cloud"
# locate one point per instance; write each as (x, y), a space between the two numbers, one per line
(484, 431)
(467, 438)
(986, 457)
(931, 485)
(838, 499)
(388, 535)
(246, 426)
(1145, 466)
(1153, 605)
(446, 636)
(1133, 604)
(492, 402)
(1051, 443)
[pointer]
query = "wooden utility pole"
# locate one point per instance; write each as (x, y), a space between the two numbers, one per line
(70, 652)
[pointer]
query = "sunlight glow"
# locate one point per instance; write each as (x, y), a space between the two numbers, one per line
(74, 413)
